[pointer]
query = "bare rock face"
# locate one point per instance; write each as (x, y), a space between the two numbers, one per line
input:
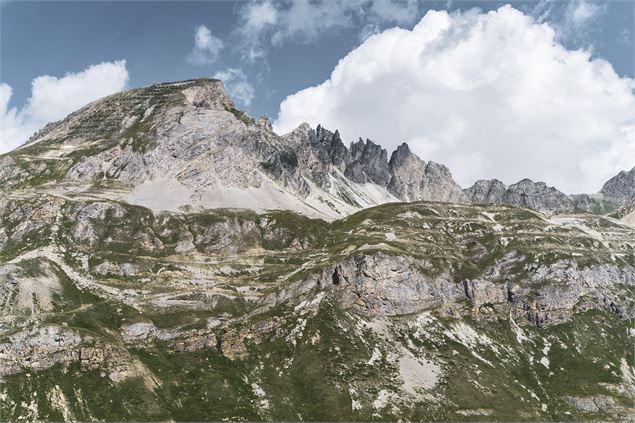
(415, 180)
(525, 193)
(330, 147)
(389, 286)
(439, 186)
(369, 163)
(323, 157)
(382, 285)
(486, 191)
(408, 172)
(621, 187)
(483, 291)
(537, 195)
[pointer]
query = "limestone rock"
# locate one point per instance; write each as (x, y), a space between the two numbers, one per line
(621, 187)
(415, 180)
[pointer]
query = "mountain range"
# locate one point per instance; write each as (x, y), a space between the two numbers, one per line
(185, 144)
(165, 256)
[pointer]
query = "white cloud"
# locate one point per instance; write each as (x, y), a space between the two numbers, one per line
(207, 47)
(488, 94)
(267, 23)
(258, 16)
(237, 85)
(53, 98)
(580, 12)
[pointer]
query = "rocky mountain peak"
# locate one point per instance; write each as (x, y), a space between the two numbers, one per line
(331, 148)
(486, 191)
(621, 187)
(400, 156)
(525, 193)
(189, 136)
(206, 93)
(369, 163)
(413, 179)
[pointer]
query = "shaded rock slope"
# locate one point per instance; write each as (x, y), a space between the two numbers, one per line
(145, 275)
(621, 187)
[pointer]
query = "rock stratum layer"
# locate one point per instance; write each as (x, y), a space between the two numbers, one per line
(144, 276)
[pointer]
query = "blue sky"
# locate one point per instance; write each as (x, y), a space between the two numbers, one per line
(155, 37)
(270, 52)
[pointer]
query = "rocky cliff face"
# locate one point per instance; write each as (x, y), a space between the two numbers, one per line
(621, 187)
(538, 196)
(414, 180)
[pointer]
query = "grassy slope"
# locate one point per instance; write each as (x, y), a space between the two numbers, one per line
(311, 379)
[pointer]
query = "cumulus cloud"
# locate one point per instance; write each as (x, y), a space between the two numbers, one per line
(53, 98)
(237, 85)
(206, 48)
(491, 95)
(267, 23)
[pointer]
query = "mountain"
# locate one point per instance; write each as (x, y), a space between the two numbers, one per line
(621, 187)
(161, 259)
(526, 193)
(539, 196)
(185, 144)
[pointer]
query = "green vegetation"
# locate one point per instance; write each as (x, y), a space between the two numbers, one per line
(245, 283)
(241, 116)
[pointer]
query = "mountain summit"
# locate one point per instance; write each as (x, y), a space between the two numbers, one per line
(184, 144)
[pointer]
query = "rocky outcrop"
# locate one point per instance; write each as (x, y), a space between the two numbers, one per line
(389, 286)
(486, 191)
(369, 163)
(405, 176)
(525, 193)
(383, 285)
(45, 346)
(438, 185)
(539, 196)
(621, 187)
(413, 179)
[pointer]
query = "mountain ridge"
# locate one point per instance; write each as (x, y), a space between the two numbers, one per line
(175, 135)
